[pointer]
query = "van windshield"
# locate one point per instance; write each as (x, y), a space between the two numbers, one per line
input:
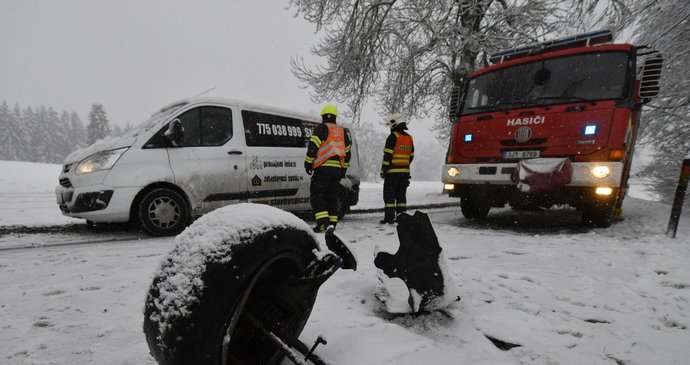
(582, 77)
(155, 120)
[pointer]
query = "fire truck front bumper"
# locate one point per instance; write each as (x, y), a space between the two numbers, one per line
(606, 174)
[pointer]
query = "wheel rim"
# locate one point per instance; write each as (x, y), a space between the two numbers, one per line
(164, 212)
(226, 357)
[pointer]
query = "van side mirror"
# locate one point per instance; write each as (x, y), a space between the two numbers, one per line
(175, 132)
(650, 77)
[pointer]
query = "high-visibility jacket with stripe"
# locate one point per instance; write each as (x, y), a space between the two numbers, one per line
(329, 146)
(397, 154)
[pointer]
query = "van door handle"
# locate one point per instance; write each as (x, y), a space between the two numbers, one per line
(234, 152)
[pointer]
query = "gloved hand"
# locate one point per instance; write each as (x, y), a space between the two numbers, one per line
(308, 170)
(382, 174)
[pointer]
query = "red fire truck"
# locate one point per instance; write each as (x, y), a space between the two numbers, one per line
(575, 101)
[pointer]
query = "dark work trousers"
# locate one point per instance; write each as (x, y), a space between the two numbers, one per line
(395, 194)
(324, 195)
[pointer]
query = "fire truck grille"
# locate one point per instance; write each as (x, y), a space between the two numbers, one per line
(531, 142)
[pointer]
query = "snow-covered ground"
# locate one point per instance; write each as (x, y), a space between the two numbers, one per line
(565, 294)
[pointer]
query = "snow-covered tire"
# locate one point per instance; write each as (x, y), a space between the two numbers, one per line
(473, 209)
(163, 212)
(199, 293)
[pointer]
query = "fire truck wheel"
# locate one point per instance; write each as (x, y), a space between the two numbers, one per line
(258, 275)
(473, 209)
(601, 216)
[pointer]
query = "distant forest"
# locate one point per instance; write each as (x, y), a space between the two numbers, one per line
(41, 134)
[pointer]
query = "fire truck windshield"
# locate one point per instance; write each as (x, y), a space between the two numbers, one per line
(576, 78)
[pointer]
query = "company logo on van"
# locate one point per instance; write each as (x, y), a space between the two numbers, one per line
(537, 119)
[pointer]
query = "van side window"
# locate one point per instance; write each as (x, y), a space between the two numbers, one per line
(216, 125)
(269, 130)
(204, 126)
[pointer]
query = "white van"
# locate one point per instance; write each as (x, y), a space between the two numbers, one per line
(192, 157)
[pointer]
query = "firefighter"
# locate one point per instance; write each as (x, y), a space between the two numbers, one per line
(395, 168)
(328, 157)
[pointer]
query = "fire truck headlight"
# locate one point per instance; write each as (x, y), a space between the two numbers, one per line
(590, 130)
(601, 172)
(448, 187)
(453, 172)
(603, 191)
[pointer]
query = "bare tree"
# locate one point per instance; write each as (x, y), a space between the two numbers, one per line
(406, 53)
(666, 120)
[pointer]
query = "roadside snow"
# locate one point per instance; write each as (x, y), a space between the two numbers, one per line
(558, 292)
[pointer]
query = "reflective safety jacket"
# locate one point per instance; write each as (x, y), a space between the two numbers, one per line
(329, 147)
(398, 153)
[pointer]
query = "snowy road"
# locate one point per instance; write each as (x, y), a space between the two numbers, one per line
(563, 293)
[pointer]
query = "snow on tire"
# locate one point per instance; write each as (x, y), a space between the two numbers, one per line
(240, 257)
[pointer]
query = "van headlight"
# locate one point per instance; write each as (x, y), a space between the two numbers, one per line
(601, 172)
(103, 160)
(453, 172)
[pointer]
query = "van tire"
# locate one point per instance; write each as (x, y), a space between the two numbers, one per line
(265, 271)
(163, 212)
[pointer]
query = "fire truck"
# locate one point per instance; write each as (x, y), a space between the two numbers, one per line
(571, 104)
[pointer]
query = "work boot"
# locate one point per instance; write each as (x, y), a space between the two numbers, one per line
(387, 221)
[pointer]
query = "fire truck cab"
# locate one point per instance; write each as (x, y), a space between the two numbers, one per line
(577, 99)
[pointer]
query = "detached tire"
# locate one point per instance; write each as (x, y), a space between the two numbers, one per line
(257, 271)
(472, 209)
(163, 212)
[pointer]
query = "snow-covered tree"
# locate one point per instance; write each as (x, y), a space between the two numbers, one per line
(76, 135)
(406, 53)
(666, 120)
(370, 148)
(98, 126)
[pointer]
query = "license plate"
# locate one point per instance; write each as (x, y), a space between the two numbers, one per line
(513, 155)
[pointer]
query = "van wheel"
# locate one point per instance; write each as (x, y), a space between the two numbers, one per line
(258, 276)
(163, 212)
(473, 209)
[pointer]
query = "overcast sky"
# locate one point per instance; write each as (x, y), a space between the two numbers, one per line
(136, 56)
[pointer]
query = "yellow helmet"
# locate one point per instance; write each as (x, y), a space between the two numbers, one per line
(329, 109)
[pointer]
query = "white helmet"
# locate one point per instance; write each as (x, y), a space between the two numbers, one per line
(396, 119)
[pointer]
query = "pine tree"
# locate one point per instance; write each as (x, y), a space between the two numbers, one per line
(77, 133)
(7, 131)
(98, 126)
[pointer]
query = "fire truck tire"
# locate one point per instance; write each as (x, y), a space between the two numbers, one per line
(259, 274)
(473, 209)
(598, 216)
